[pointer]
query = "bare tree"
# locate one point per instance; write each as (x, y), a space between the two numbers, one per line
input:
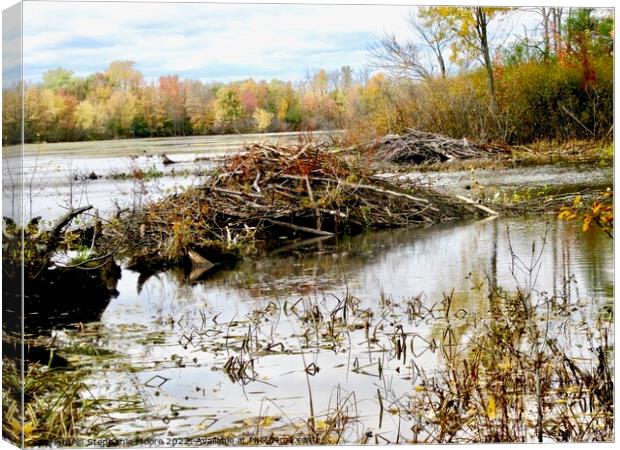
(398, 60)
(411, 59)
(551, 20)
(435, 32)
(481, 27)
(546, 15)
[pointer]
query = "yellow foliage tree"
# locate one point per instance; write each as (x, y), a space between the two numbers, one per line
(263, 119)
(470, 26)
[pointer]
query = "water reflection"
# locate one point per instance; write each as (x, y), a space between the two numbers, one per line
(182, 335)
(399, 263)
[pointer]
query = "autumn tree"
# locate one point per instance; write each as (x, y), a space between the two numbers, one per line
(123, 76)
(284, 102)
(172, 96)
(199, 104)
(228, 108)
(320, 82)
(248, 96)
(263, 119)
(121, 108)
(86, 117)
(471, 30)
(150, 114)
(436, 31)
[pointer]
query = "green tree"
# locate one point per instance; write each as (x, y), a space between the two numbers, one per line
(56, 79)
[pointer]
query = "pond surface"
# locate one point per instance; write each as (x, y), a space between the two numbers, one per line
(56, 176)
(290, 341)
(250, 351)
(554, 178)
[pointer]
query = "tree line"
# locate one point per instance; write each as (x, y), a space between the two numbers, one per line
(556, 83)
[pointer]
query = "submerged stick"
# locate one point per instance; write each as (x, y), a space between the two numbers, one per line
(299, 228)
(477, 205)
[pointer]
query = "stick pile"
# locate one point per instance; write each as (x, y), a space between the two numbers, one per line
(419, 147)
(269, 194)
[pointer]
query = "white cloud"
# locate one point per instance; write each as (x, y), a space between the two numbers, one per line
(211, 41)
(193, 39)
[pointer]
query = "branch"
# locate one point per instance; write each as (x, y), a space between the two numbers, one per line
(299, 228)
(56, 231)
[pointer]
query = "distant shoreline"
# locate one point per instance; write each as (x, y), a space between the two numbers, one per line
(154, 146)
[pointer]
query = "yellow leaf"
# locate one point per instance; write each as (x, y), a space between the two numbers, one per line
(320, 424)
(577, 201)
(491, 408)
(267, 421)
(587, 221)
(15, 425)
(28, 428)
(564, 214)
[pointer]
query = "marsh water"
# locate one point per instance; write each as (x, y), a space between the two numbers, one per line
(261, 348)
(172, 338)
(59, 176)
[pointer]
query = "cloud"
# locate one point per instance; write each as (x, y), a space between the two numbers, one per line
(202, 40)
(213, 41)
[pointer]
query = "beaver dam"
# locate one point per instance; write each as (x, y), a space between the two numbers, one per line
(419, 147)
(292, 294)
(270, 194)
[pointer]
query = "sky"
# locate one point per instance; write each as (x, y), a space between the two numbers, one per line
(209, 42)
(203, 41)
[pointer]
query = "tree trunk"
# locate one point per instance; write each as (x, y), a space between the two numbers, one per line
(546, 13)
(442, 64)
(481, 27)
(557, 29)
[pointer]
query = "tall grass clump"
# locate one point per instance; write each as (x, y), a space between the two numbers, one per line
(52, 405)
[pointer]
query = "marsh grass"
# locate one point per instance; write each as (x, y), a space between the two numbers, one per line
(515, 383)
(52, 404)
(58, 407)
(516, 374)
